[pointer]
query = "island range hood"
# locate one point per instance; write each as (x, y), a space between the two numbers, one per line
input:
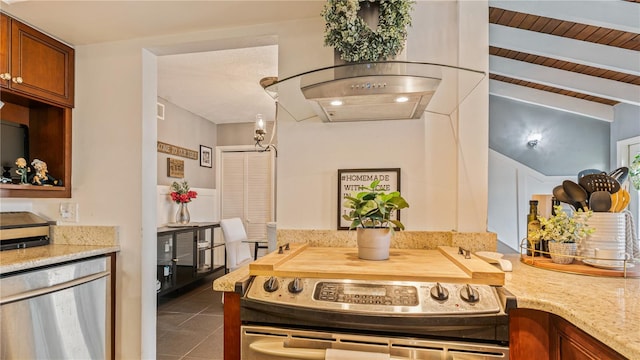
(386, 90)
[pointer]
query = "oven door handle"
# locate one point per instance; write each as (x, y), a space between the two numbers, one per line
(277, 349)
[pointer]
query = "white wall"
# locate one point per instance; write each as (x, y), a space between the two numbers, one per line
(188, 130)
(443, 159)
(202, 209)
(444, 167)
(511, 186)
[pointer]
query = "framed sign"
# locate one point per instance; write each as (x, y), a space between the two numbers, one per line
(206, 156)
(175, 168)
(177, 151)
(351, 180)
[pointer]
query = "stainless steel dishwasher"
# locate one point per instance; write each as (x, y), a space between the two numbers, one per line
(57, 312)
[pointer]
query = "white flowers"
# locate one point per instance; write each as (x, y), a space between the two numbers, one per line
(564, 228)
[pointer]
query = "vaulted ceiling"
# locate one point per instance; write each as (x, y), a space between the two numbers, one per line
(580, 56)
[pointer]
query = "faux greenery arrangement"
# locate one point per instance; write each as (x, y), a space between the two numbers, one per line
(372, 208)
(355, 40)
(564, 228)
(634, 172)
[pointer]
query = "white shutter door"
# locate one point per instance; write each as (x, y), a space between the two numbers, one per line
(233, 187)
(259, 194)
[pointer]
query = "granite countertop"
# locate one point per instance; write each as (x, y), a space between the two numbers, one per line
(606, 308)
(67, 243)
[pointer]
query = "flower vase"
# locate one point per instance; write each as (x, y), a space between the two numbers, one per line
(562, 252)
(183, 216)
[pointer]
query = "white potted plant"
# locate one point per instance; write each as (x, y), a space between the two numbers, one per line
(564, 233)
(370, 214)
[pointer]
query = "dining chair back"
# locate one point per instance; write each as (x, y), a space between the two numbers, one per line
(238, 252)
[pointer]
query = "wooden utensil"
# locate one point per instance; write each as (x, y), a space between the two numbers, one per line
(599, 182)
(622, 203)
(615, 198)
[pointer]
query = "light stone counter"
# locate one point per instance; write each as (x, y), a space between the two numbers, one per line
(606, 308)
(67, 243)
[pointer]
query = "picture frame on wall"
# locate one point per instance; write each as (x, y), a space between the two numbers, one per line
(350, 181)
(175, 168)
(206, 156)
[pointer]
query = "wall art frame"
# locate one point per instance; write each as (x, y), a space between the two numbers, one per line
(350, 181)
(206, 156)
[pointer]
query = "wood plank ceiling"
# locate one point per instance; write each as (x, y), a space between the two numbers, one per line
(565, 29)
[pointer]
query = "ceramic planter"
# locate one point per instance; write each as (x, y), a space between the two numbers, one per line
(562, 253)
(373, 244)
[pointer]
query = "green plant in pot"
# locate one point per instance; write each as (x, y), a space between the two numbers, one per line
(564, 233)
(370, 214)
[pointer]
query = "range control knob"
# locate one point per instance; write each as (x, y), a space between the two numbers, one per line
(271, 284)
(295, 286)
(439, 292)
(469, 294)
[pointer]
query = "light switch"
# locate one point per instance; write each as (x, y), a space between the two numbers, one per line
(69, 212)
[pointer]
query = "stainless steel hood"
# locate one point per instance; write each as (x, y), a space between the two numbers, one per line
(383, 97)
(388, 90)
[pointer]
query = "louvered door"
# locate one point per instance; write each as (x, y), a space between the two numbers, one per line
(248, 190)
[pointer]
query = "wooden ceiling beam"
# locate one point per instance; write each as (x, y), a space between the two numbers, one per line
(619, 15)
(608, 89)
(580, 52)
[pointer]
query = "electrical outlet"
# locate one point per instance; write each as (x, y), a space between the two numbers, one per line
(69, 212)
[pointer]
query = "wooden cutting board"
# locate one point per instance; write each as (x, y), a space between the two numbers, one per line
(443, 264)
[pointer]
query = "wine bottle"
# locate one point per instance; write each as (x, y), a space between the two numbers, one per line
(533, 225)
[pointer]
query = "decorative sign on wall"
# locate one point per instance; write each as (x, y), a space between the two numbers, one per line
(175, 168)
(177, 151)
(350, 181)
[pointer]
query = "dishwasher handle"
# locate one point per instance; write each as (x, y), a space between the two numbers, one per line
(46, 290)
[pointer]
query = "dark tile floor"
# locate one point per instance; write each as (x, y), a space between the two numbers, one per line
(189, 323)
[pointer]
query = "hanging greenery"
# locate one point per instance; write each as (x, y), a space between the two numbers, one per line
(350, 35)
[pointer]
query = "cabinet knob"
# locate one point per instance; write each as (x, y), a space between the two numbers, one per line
(5, 76)
(174, 260)
(17, 80)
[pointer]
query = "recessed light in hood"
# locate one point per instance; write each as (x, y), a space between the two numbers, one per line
(369, 91)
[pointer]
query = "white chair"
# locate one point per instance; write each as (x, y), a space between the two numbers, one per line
(238, 252)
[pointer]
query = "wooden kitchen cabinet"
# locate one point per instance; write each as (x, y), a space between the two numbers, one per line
(567, 342)
(35, 64)
(541, 335)
(5, 37)
(40, 102)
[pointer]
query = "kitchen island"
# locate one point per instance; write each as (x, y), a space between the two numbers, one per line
(608, 309)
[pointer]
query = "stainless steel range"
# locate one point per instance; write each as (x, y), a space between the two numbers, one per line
(308, 318)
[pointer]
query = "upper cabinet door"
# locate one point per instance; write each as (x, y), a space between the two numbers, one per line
(5, 76)
(41, 66)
